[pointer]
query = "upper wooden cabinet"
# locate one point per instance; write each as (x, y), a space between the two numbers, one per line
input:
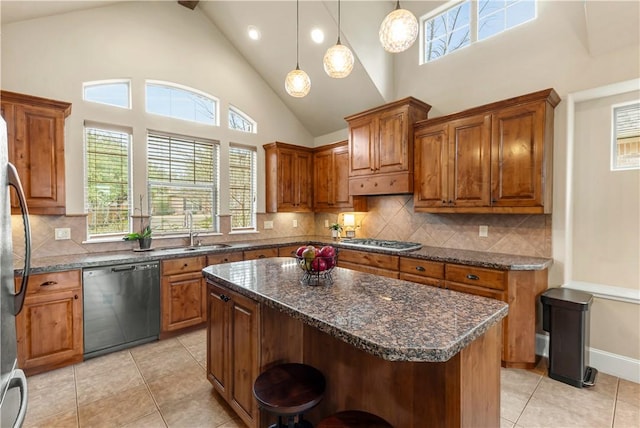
(289, 184)
(495, 158)
(331, 180)
(35, 131)
(381, 147)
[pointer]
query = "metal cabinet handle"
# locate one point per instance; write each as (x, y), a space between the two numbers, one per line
(261, 256)
(224, 298)
(420, 269)
(473, 277)
(48, 283)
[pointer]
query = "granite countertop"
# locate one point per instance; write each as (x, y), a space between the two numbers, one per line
(389, 318)
(448, 255)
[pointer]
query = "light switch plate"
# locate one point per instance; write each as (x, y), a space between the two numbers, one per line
(295, 223)
(268, 224)
(484, 231)
(62, 233)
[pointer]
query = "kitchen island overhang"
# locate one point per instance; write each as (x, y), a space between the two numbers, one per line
(443, 345)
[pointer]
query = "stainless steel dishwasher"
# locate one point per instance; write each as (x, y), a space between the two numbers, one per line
(121, 306)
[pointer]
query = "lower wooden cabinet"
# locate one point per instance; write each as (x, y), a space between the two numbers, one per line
(233, 344)
(364, 261)
(182, 293)
(49, 328)
(262, 253)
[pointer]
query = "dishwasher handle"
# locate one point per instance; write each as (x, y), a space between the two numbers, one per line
(123, 268)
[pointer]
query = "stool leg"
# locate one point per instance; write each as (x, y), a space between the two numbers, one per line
(303, 423)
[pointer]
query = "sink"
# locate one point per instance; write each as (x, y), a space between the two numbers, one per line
(194, 248)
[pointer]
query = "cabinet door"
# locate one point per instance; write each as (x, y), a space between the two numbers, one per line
(323, 180)
(217, 342)
(303, 181)
(183, 301)
(49, 330)
(37, 150)
(469, 162)
(392, 146)
(362, 140)
(244, 353)
(517, 155)
(431, 167)
(287, 195)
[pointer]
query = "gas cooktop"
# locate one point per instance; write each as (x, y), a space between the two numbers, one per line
(382, 244)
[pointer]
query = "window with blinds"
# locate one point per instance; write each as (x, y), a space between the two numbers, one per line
(108, 185)
(182, 174)
(242, 187)
(626, 137)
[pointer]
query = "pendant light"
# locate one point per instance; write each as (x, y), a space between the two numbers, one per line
(297, 84)
(399, 30)
(338, 61)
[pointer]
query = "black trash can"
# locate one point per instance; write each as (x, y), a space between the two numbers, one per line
(565, 315)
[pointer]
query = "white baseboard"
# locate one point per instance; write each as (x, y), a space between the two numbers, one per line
(606, 362)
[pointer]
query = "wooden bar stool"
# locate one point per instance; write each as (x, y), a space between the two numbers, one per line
(353, 419)
(288, 390)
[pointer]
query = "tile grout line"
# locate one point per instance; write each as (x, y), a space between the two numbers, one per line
(75, 389)
(528, 400)
(146, 385)
(615, 403)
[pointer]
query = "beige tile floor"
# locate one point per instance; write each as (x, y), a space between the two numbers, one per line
(163, 384)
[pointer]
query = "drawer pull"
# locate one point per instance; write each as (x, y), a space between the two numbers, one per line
(261, 256)
(420, 269)
(48, 283)
(75, 297)
(224, 298)
(473, 277)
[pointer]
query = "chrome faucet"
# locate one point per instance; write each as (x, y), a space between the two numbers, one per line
(188, 219)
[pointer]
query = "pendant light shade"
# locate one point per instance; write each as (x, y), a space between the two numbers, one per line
(399, 30)
(297, 83)
(338, 61)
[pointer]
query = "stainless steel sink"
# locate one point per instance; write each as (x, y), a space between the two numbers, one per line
(194, 248)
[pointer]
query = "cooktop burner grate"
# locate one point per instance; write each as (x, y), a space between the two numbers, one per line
(382, 244)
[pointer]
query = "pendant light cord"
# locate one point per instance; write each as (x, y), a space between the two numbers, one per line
(297, 34)
(338, 22)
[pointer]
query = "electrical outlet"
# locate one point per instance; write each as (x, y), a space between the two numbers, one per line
(326, 223)
(62, 233)
(484, 231)
(268, 224)
(295, 223)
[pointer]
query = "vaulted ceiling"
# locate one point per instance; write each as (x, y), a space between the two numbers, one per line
(605, 25)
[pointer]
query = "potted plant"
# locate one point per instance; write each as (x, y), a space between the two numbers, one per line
(143, 237)
(335, 228)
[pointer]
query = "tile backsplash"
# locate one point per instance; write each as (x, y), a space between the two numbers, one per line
(388, 217)
(392, 217)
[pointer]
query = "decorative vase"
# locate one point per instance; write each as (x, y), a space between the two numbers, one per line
(335, 233)
(145, 243)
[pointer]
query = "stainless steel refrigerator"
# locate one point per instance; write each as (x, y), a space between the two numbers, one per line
(13, 392)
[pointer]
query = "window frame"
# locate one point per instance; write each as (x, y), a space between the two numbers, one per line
(108, 128)
(177, 86)
(614, 137)
(244, 116)
(94, 83)
(253, 190)
(214, 185)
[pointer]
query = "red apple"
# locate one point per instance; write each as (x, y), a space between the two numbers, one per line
(300, 250)
(319, 264)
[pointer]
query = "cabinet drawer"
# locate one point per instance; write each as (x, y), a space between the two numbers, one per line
(288, 250)
(260, 254)
(476, 276)
(216, 259)
(434, 282)
(475, 290)
(423, 268)
(183, 265)
(384, 261)
(368, 269)
(54, 281)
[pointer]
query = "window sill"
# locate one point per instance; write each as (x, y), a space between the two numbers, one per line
(243, 232)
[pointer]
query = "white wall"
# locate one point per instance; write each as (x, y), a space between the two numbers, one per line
(51, 57)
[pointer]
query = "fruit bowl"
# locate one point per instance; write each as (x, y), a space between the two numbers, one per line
(316, 267)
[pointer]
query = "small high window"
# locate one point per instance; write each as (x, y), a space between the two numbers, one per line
(242, 184)
(240, 121)
(625, 151)
(180, 102)
(108, 181)
(460, 23)
(110, 92)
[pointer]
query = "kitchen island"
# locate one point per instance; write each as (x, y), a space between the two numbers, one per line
(414, 355)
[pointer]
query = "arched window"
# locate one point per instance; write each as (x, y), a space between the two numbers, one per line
(110, 92)
(241, 121)
(180, 102)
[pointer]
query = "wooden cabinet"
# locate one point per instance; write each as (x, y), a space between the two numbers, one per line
(261, 253)
(288, 250)
(364, 261)
(289, 180)
(183, 293)
(233, 344)
(454, 163)
(331, 180)
(495, 158)
(381, 147)
(35, 133)
(49, 328)
(216, 259)
(422, 271)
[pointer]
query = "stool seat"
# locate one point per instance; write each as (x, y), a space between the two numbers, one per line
(353, 419)
(289, 389)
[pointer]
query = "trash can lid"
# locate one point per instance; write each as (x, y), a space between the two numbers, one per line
(567, 298)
